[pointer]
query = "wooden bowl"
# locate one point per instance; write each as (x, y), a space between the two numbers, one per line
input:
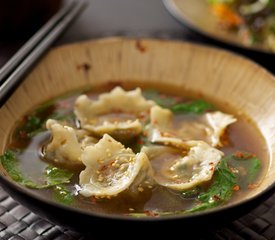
(218, 74)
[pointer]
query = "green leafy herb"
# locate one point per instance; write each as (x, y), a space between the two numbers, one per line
(160, 99)
(220, 190)
(53, 176)
(253, 169)
(10, 163)
(194, 192)
(248, 166)
(196, 106)
(62, 115)
(35, 123)
(63, 195)
(56, 175)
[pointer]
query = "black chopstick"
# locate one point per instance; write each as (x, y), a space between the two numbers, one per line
(15, 68)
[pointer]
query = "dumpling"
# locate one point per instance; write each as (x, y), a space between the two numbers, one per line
(183, 170)
(112, 169)
(160, 128)
(166, 128)
(217, 122)
(118, 113)
(66, 144)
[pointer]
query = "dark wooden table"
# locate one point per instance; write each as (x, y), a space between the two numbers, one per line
(142, 18)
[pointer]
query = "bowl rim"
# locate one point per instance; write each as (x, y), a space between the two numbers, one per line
(25, 191)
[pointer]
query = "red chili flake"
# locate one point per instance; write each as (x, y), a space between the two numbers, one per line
(216, 198)
(140, 46)
(211, 169)
(177, 99)
(64, 104)
(93, 200)
(140, 142)
(252, 185)
(236, 188)
(239, 154)
(211, 163)
(23, 134)
(104, 167)
(141, 115)
(151, 214)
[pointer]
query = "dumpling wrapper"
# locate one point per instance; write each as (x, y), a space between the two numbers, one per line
(118, 113)
(112, 169)
(67, 144)
(179, 170)
(165, 129)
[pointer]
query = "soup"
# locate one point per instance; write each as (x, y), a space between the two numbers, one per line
(252, 20)
(126, 151)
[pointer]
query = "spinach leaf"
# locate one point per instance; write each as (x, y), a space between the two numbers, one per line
(52, 176)
(197, 106)
(63, 195)
(220, 190)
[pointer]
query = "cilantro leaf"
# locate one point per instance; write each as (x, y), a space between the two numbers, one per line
(52, 175)
(56, 175)
(161, 100)
(63, 195)
(10, 163)
(197, 106)
(247, 161)
(220, 190)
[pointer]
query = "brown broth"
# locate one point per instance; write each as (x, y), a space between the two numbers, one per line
(242, 135)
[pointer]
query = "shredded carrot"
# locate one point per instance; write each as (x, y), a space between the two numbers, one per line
(227, 16)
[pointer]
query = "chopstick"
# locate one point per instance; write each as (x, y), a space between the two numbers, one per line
(13, 71)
